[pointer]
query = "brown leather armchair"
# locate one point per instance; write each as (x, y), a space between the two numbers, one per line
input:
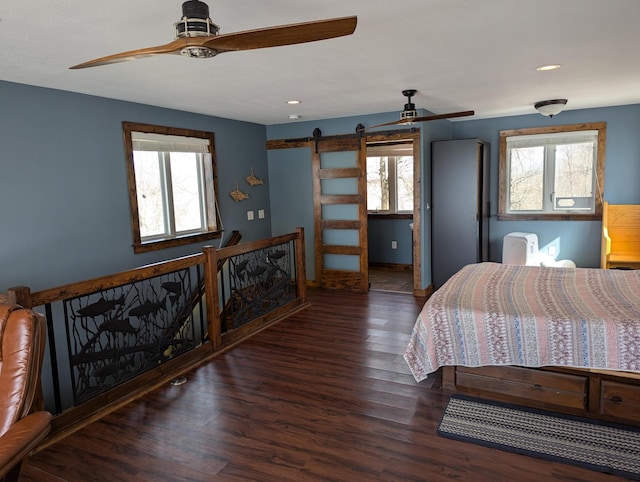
(22, 425)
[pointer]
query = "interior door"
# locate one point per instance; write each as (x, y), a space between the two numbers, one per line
(340, 213)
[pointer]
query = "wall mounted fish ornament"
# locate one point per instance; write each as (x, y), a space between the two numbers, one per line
(253, 180)
(238, 195)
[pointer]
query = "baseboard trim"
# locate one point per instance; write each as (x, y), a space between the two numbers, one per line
(394, 266)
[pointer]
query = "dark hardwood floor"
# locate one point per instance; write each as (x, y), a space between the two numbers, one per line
(324, 395)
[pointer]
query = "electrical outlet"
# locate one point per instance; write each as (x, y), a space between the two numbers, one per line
(250, 215)
(394, 245)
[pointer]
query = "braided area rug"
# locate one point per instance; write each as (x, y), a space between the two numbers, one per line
(608, 448)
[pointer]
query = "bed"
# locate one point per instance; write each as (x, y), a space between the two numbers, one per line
(560, 338)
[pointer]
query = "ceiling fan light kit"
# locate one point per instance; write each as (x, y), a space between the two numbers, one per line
(195, 22)
(409, 115)
(550, 107)
(409, 112)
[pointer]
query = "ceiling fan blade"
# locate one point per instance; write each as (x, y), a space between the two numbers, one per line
(247, 40)
(170, 48)
(283, 35)
(451, 115)
(426, 118)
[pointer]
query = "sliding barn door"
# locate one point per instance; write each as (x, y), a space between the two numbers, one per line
(340, 214)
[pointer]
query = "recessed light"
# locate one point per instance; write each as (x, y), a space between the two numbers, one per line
(294, 102)
(543, 68)
(294, 117)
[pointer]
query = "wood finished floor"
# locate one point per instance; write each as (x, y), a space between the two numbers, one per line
(324, 395)
(389, 279)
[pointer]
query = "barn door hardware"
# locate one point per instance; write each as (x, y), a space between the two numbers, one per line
(360, 131)
(317, 133)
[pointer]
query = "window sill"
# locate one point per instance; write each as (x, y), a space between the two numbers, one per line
(550, 217)
(139, 247)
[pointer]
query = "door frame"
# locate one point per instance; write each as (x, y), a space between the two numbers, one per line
(412, 134)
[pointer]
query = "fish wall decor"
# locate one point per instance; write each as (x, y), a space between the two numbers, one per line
(238, 195)
(253, 180)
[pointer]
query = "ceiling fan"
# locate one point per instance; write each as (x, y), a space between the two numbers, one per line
(410, 115)
(197, 36)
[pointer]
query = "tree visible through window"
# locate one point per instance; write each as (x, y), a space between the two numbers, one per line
(555, 172)
(389, 179)
(171, 185)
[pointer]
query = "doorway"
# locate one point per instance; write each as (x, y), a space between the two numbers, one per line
(393, 211)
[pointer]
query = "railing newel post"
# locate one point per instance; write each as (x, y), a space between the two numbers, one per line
(300, 265)
(20, 295)
(211, 294)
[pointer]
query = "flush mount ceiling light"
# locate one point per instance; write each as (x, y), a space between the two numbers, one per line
(294, 117)
(550, 107)
(294, 102)
(543, 68)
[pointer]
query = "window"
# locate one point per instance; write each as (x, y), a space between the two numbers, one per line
(172, 193)
(390, 178)
(552, 172)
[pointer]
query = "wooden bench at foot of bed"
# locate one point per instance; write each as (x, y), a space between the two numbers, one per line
(600, 394)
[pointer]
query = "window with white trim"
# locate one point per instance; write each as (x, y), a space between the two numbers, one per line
(552, 173)
(171, 185)
(390, 178)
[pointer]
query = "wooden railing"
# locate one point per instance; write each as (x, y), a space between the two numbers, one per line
(114, 338)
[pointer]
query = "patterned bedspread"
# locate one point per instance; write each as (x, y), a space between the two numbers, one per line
(495, 314)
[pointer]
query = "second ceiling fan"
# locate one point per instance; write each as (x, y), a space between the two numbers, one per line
(409, 115)
(197, 36)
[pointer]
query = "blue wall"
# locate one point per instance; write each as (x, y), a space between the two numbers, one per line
(381, 233)
(63, 184)
(292, 188)
(576, 240)
(291, 192)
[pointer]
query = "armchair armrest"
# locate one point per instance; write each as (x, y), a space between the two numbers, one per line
(22, 438)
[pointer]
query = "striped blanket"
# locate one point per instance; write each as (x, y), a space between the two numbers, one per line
(495, 314)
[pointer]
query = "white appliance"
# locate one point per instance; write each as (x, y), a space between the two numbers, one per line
(521, 249)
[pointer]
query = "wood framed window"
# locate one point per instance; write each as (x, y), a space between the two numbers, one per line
(553, 173)
(171, 176)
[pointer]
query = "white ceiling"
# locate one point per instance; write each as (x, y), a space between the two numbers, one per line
(459, 54)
